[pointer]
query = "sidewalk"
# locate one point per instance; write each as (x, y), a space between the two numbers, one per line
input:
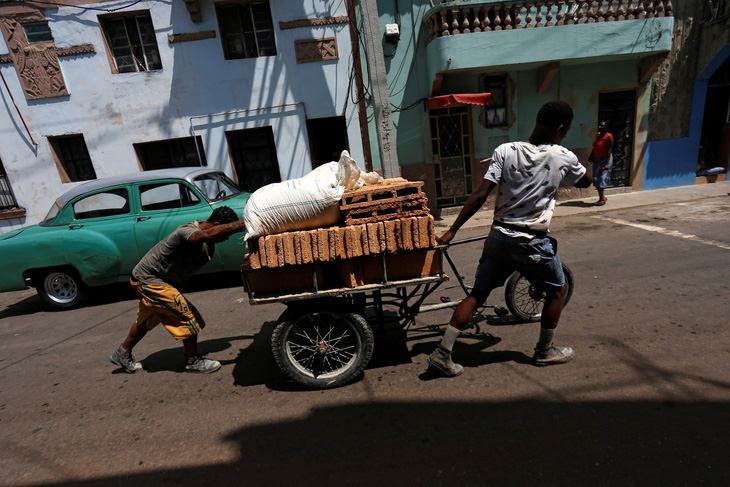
(616, 201)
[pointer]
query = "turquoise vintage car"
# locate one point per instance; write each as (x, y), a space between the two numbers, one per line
(96, 233)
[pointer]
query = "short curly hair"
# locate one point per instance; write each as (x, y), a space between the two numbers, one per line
(555, 113)
(223, 214)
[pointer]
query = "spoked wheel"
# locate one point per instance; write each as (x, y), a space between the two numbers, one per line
(322, 349)
(525, 301)
(61, 289)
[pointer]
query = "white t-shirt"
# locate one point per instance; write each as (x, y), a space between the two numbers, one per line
(527, 178)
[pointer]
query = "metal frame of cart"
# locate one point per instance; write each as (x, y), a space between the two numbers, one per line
(322, 340)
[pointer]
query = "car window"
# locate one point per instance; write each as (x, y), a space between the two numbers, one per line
(165, 196)
(53, 212)
(217, 186)
(107, 203)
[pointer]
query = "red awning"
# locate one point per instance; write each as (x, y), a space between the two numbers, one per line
(469, 98)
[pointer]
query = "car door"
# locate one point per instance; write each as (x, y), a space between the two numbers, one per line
(162, 206)
(99, 241)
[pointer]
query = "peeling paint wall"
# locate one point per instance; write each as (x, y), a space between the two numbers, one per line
(196, 84)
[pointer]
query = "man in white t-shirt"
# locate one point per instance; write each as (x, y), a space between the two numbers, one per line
(527, 176)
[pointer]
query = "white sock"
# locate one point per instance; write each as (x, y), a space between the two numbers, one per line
(546, 337)
(450, 336)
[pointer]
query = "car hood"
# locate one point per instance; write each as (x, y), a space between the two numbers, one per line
(15, 233)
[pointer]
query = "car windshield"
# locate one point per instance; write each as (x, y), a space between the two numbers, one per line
(53, 212)
(217, 186)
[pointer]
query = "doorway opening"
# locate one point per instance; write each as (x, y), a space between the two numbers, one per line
(618, 109)
(327, 139)
(715, 139)
(452, 154)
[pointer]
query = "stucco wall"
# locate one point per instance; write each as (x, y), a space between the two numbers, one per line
(593, 58)
(115, 111)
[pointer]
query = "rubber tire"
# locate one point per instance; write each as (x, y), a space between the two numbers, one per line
(311, 321)
(60, 288)
(521, 302)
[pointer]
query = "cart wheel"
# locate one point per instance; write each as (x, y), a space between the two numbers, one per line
(525, 301)
(322, 349)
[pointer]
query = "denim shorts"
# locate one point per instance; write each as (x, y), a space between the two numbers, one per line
(601, 176)
(535, 258)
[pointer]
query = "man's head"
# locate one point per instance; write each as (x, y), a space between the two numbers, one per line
(556, 116)
(222, 214)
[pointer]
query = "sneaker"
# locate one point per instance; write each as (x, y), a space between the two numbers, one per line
(441, 360)
(552, 355)
(125, 360)
(201, 365)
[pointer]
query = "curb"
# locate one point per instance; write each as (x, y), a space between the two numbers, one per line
(616, 201)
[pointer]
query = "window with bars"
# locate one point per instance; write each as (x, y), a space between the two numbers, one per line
(254, 157)
(7, 198)
(37, 32)
(72, 157)
(451, 146)
(247, 30)
(164, 154)
(496, 108)
(132, 43)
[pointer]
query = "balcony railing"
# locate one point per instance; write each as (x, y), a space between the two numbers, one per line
(454, 19)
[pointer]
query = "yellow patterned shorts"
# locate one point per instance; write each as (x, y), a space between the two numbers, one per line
(165, 304)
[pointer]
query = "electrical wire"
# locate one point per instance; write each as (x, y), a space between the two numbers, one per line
(55, 4)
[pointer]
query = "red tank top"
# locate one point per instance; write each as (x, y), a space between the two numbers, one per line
(600, 146)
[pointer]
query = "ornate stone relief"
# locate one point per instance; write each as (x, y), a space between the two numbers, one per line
(294, 24)
(37, 63)
(196, 36)
(311, 50)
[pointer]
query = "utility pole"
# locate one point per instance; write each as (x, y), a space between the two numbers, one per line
(379, 88)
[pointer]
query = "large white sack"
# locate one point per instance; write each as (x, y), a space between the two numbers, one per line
(346, 172)
(296, 204)
(312, 201)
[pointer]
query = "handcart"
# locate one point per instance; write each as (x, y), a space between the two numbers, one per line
(324, 338)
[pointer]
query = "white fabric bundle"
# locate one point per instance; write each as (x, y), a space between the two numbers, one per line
(311, 201)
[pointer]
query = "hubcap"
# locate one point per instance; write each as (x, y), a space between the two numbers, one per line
(60, 287)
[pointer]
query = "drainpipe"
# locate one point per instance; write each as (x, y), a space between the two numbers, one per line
(18, 110)
(245, 110)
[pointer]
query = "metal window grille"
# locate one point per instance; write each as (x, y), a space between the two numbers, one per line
(133, 43)
(73, 155)
(247, 30)
(496, 109)
(7, 197)
(254, 157)
(451, 145)
(182, 152)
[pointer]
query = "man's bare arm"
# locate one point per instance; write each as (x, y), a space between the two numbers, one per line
(473, 204)
(217, 233)
(584, 182)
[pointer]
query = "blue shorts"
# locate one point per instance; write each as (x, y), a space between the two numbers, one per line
(601, 176)
(536, 259)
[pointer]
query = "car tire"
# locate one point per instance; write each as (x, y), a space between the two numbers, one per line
(61, 288)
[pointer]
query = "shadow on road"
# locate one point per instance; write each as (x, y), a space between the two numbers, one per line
(577, 204)
(467, 443)
(114, 293)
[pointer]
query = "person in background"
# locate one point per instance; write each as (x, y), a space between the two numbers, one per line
(602, 161)
(167, 266)
(527, 176)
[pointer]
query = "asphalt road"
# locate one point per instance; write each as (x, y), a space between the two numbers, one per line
(645, 402)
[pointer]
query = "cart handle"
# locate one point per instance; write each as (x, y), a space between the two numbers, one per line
(445, 251)
(463, 241)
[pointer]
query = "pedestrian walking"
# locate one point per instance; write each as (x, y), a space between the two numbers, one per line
(527, 176)
(602, 159)
(156, 280)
